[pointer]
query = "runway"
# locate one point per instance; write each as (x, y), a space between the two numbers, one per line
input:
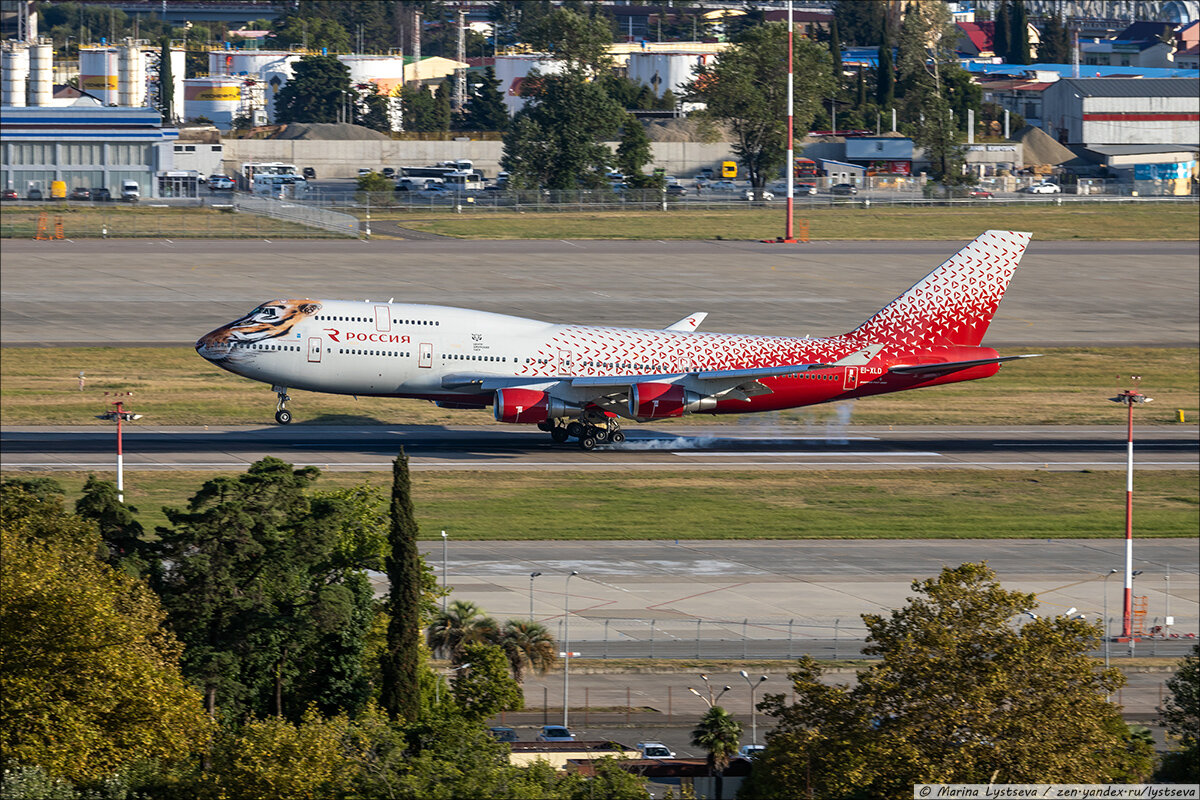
(676, 448)
(163, 292)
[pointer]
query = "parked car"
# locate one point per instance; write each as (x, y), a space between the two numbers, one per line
(9, 194)
(765, 195)
(101, 194)
(388, 172)
(675, 190)
(309, 174)
(131, 191)
(843, 188)
(502, 734)
(751, 750)
(219, 183)
(723, 186)
(33, 194)
(364, 171)
(706, 173)
(655, 750)
(555, 733)
(1044, 187)
(80, 193)
(979, 193)
(805, 188)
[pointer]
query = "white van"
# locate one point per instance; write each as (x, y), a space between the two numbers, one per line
(131, 191)
(280, 186)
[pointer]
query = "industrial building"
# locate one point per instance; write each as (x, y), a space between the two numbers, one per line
(1104, 111)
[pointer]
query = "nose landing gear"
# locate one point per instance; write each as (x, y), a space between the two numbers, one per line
(282, 415)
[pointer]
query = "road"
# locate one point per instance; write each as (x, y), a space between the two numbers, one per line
(752, 445)
(164, 292)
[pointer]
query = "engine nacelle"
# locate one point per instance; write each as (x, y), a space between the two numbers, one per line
(529, 406)
(658, 400)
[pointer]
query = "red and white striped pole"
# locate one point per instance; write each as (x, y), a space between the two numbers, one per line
(789, 234)
(1129, 398)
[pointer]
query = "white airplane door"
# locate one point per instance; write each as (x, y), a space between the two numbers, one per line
(851, 379)
(383, 319)
(425, 360)
(564, 362)
(314, 349)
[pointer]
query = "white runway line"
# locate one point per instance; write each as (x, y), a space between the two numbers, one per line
(778, 454)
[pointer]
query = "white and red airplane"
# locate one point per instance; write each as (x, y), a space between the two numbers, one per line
(580, 380)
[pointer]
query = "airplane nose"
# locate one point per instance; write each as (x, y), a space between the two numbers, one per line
(215, 345)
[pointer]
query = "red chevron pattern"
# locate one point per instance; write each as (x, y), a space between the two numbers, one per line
(953, 305)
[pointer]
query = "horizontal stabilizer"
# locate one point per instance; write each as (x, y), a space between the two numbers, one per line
(952, 366)
(688, 324)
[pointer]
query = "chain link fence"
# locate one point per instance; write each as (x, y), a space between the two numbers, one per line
(309, 215)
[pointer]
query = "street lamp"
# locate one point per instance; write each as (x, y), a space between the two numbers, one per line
(1129, 398)
(710, 700)
(753, 708)
(445, 587)
(566, 640)
(1132, 639)
(120, 415)
(1111, 572)
(532, 575)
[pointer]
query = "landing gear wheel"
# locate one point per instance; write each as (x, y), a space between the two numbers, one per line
(559, 434)
(599, 434)
(283, 416)
(587, 443)
(617, 437)
(575, 429)
(545, 426)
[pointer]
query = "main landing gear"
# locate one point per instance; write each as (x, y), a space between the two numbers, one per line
(588, 432)
(282, 415)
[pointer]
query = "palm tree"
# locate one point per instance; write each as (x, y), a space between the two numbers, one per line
(718, 733)
(528, 645)
(461, 624)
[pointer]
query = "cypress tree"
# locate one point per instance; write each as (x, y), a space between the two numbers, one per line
(1000, 30)
(400, 695)
(885, 75)
(166, 82)
(835, 54)
(1019, 35)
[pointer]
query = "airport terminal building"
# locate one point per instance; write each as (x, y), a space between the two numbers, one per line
(85, 145)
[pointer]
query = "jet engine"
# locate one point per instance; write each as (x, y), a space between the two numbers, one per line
(657, 400)
(529, 406)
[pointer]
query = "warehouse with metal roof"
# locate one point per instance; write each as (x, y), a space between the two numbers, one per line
(1108, 111)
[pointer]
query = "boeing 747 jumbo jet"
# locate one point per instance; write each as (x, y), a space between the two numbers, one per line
(579, 381)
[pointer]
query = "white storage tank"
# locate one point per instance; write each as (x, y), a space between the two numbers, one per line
(14, 63)
(98, 73)
(511, 69)
(662, 71)
(372, 69)
(250, 63)
(131, 83)
(216, 98)
(41, 75)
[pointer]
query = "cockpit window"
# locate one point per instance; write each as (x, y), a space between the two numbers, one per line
(263, 311)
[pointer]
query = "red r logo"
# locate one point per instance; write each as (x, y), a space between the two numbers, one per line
(333, 334)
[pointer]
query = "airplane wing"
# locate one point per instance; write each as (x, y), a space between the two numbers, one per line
(952, 366)
(689, 323)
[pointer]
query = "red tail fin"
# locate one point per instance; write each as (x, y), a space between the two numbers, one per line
(955, 303)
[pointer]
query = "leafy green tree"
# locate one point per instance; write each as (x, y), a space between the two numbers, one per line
(717, 734)
(1180, 715)
(1056, 45)
(462, 623)
(579, 40)
(373, 108)
(960, 694)
(271, 616)
(634, 153)
(400, 695)
(528, 645)
(313, 32)
(441, 106)
(859, 23)
(420, 112)
(513, 20)
(747, 89)
(611, 781)
(485, 688)
(317, 91)
(119, 529)
(926, 54)
(90, 678)
(485, 107)
(557, 140)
